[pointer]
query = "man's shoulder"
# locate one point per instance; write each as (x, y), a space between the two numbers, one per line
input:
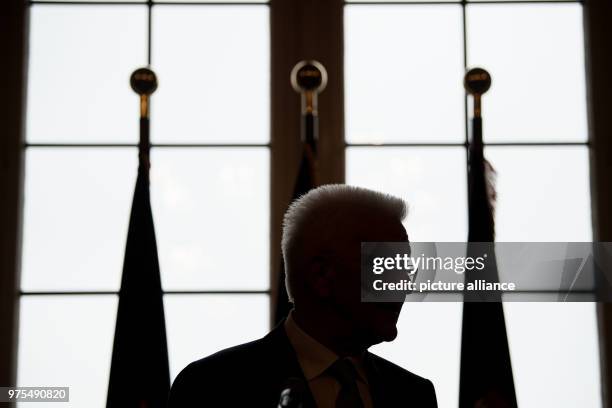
(236, 354)
(226, 360)
(394, 372)
(214, 380)
(398, 380)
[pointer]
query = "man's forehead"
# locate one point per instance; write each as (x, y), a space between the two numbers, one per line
(377, 228)
(349, 228)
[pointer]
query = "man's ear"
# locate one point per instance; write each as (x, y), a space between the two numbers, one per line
(320, 277)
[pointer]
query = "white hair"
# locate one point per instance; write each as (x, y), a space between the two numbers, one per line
(323, 210)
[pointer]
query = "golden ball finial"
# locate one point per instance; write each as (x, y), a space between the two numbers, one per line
(477, 81)
(143, 81)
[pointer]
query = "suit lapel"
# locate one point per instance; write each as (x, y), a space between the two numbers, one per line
(286, 363)
(378, 389)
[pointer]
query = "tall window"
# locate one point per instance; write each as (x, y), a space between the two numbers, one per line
(406, 133)
(210, 181)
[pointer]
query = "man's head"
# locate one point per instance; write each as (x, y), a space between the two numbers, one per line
(322, 235)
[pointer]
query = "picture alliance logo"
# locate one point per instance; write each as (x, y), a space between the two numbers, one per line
(411, 264)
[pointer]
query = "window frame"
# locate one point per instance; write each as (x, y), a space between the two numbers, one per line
(319, 35)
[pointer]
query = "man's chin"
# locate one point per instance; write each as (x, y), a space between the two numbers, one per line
(382, 334)
(389, 334)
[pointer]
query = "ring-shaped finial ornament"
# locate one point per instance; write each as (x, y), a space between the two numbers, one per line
(309, 75)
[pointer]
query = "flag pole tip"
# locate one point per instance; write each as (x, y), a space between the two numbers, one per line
(309, 76)
(143, 81)
(477, 81)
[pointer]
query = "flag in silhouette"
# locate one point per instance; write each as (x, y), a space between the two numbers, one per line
(139, 376)
(306, 180)
(308, 78)
(486, 371)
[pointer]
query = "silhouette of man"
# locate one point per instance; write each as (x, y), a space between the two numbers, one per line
(318, 356)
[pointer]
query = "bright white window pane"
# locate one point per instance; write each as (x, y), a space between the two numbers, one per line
(211, 209)
(77, 204)
(213, 69)
(212, 1)
(535, 54)
(400, 1)
(428, 349)
(100, 1)
(198, 325)
(431, 180)
(404, 73)
(67, 341)
(78, 83)
(511, 1)
(554, 353)
(543, 193)
(108, 1)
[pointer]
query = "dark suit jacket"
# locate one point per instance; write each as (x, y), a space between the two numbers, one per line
(255, 373)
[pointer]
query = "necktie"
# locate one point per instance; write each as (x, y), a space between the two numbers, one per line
(344, 372)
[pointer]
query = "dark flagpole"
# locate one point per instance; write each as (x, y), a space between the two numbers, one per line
(139, 375)
(309, 78)
(486, 370)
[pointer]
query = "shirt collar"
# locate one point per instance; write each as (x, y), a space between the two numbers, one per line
(314, 357)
